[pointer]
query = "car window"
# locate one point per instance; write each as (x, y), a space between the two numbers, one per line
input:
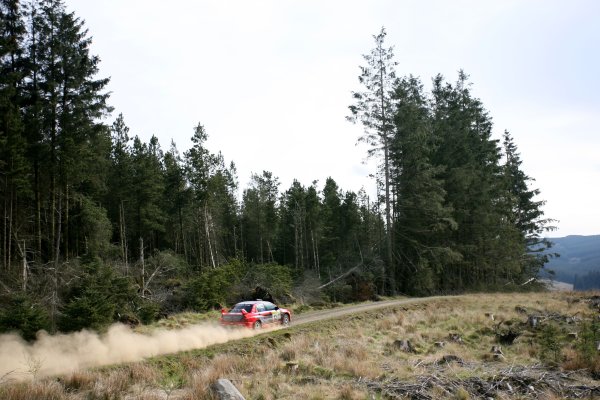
(239, 306)
(269, 306)
(260, 308)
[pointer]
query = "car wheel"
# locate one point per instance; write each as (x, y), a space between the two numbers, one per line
(285, 320)
(257, 325)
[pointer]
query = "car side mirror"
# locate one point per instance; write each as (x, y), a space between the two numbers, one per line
(276, 308)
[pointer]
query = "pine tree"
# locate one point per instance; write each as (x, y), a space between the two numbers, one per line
(524, 212)
(260, 219)
(119, 198)
(214, 205)
(64, 106)
(177, 199)
(14, 170)
(330, 220)
(147, 190)
(374, 108)
(470, 158)
(292, 230)
(423, 220)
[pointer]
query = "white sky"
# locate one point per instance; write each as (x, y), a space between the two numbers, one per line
(271, 80)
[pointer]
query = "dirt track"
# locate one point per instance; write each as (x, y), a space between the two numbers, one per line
(339, 312)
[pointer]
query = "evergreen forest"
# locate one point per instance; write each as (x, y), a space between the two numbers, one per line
(100, 226)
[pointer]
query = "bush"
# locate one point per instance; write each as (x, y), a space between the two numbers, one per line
(587, 347)
(95, 299)
(551, 343)
(275, 279)
(238, 281)
(21, 314)
(213, 287)
(148, 311)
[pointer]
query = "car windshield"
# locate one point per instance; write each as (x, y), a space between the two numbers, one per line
(242, 306)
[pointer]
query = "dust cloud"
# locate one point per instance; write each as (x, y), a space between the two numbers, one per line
(65, 353)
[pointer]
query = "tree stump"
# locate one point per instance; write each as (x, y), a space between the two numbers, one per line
(455, 337)
(404, 345)
(507, 337)
(291, 366)
(533, 321)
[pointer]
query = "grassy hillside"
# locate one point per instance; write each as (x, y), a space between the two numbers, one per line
(475, 346)
(578, 256)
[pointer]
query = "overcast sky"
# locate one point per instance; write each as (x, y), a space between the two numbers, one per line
(271, 81)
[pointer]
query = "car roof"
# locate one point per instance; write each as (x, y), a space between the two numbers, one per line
(253, 302)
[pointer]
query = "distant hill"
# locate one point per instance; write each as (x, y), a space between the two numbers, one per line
(579, 255)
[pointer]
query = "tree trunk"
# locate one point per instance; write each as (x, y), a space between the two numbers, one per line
(388, 219)
(123, 236)
(207, 228)
(10, 227)
(142, 262)
(185, 255)
(24, 272)
(38, 211)
(5, 232)
(314, 251)
(58, 231)
(66, 245)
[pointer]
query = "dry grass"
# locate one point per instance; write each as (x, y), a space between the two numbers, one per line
(111, 386)
(35, 390)
(325, 360)
(223, 365)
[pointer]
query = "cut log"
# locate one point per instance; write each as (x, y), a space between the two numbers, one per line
(489, 315)
(225, 390)
(496, 350)
(449, 358)
(440, 344)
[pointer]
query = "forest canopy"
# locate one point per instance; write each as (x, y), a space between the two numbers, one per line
(99, 225)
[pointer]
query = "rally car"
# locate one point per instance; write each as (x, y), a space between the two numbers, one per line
(255, 314)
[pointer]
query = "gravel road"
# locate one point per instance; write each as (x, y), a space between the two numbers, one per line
(346, 310)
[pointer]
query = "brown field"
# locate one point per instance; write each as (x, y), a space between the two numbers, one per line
(359, 357)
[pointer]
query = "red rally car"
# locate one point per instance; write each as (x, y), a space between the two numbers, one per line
(255, 314)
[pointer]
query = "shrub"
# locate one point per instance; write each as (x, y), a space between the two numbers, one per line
(587, 346)
(550, 343)
(273, 278)
(21, 314)
(147, 311)
(213, 287)
(94, 300)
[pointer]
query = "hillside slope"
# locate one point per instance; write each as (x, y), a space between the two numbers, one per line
(578, 256)
(467, 347)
